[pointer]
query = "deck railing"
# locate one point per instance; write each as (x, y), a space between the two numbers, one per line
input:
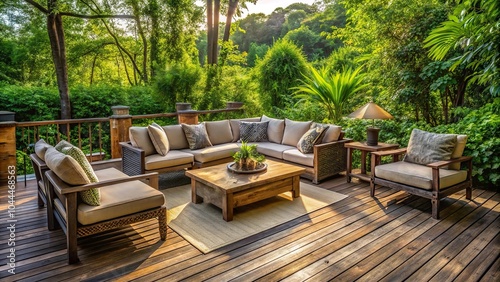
(98, 137)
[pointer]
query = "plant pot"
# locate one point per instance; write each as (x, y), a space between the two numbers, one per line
(234, 105)
(183, 107)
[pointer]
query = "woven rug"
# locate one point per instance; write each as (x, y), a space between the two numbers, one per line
(202, 224)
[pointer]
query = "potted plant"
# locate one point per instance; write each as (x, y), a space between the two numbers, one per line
(247, 158)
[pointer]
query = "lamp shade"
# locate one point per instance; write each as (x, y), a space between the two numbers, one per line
(371, 111)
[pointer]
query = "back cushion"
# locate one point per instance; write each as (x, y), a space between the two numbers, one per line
(426, 147)
(235, 126)
(65, 167)
(275, 129)
(139, 137)
(158, 138)
(294, 131)
(40, 148)
(331, 134)
(458, 151)
(176, 137)
(219, 132)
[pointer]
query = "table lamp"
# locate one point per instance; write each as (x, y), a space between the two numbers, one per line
(371, 111)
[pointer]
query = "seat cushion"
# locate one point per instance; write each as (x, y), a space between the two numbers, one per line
(235, 126)
(417, 175)
(427, 147)
(176, 138)
(139, 137)
(109, 174)
(158, 138)
(171, 159)
(294, 130)
(214, 153)
(120, 200)
(219, 132)
(295, 156)
(272, 149)
(275, 129)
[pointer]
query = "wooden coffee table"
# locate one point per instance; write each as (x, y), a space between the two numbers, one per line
(228, 190)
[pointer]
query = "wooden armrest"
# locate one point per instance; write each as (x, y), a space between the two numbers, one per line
(448, 162)
(39, 162)
(64, 188)
(389, 152)
(346, 140)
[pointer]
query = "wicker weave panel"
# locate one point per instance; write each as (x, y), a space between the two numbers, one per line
(131, 162)
(332, 160)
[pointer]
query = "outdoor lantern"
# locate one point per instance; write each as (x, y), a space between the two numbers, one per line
(371, 111)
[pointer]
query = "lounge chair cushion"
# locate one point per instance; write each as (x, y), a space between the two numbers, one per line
(312, 137)
(417, 175)
(219, 132)
(120, 200)
(40, 148)
(196, 135)
(158, 138)
(294, 131)
(139, 137)
(171, 159)
(294, 155)
(272, 149)
(214, 153)
(275, 129)
(254, 131)
(235, 126)
(427, 147)
(458, 151)
(176, 138)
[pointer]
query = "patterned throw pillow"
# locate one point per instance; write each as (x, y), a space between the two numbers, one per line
(159, 138)
(310, 138)
(92, 196)
(254, 131)
(426, 147)
(196, 135)
(62, 144)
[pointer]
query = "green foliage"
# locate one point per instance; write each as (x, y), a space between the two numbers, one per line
(248, 151)
(333, 91)
(277, 73)
(177, 84)
(256, 52)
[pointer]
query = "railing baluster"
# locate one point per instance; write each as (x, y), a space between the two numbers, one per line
(58, 134)
(90, 140)
(79, 135)
(100, 140)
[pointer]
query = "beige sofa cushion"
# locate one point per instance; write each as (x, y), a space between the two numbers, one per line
(158, 138)
(219, 132)
(120, 200)
(295, 156)
(275, 129)
(214, 153)
(139, 137)
(458, 151)
(171, 159)
(294, 130)
(417, 175)
(196, 135)
(65, 167)
(176, 138)
(331, 134)
(272, 149)
(235, 126)
(40, 148)
(427, 147)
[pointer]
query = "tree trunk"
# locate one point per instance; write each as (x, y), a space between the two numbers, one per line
(210, 32)
(154, 50)
(57, 45)
(233, 4)
(215, 32)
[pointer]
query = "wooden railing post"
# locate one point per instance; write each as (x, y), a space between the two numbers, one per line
(185, 114)
(119, 124)
(7, 146)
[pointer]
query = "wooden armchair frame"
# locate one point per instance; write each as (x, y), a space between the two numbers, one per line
(67, 194)
(435, 194)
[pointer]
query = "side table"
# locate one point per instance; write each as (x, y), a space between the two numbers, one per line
(365, 149)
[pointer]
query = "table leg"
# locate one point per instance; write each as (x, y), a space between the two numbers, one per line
(227, 207)
(363, 162)
(296, 186)
(349, 165)
(195, 198)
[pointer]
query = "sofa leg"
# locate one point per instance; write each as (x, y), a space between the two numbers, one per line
(468, 193)
(372, 189)
(435, 208)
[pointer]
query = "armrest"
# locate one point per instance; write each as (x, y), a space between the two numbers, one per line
(133, 162)
(448, 162)
(64, 188)
(395, 152)
(332, 143)
(38, 162)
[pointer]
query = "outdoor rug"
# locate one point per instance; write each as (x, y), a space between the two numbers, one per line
(202, 224)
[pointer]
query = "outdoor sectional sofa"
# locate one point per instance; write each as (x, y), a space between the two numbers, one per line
(140, 155)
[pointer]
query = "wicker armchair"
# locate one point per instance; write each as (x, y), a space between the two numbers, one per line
(124, 200)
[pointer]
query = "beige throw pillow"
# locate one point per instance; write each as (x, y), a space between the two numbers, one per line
(139, 137)
(294, 131)
(159, 139)
(426, 147)
(65, 167)
(40, 148)
(196, 136)
(275, 129)
(331, 134)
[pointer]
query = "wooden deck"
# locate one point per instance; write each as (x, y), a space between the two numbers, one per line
(391, 238)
